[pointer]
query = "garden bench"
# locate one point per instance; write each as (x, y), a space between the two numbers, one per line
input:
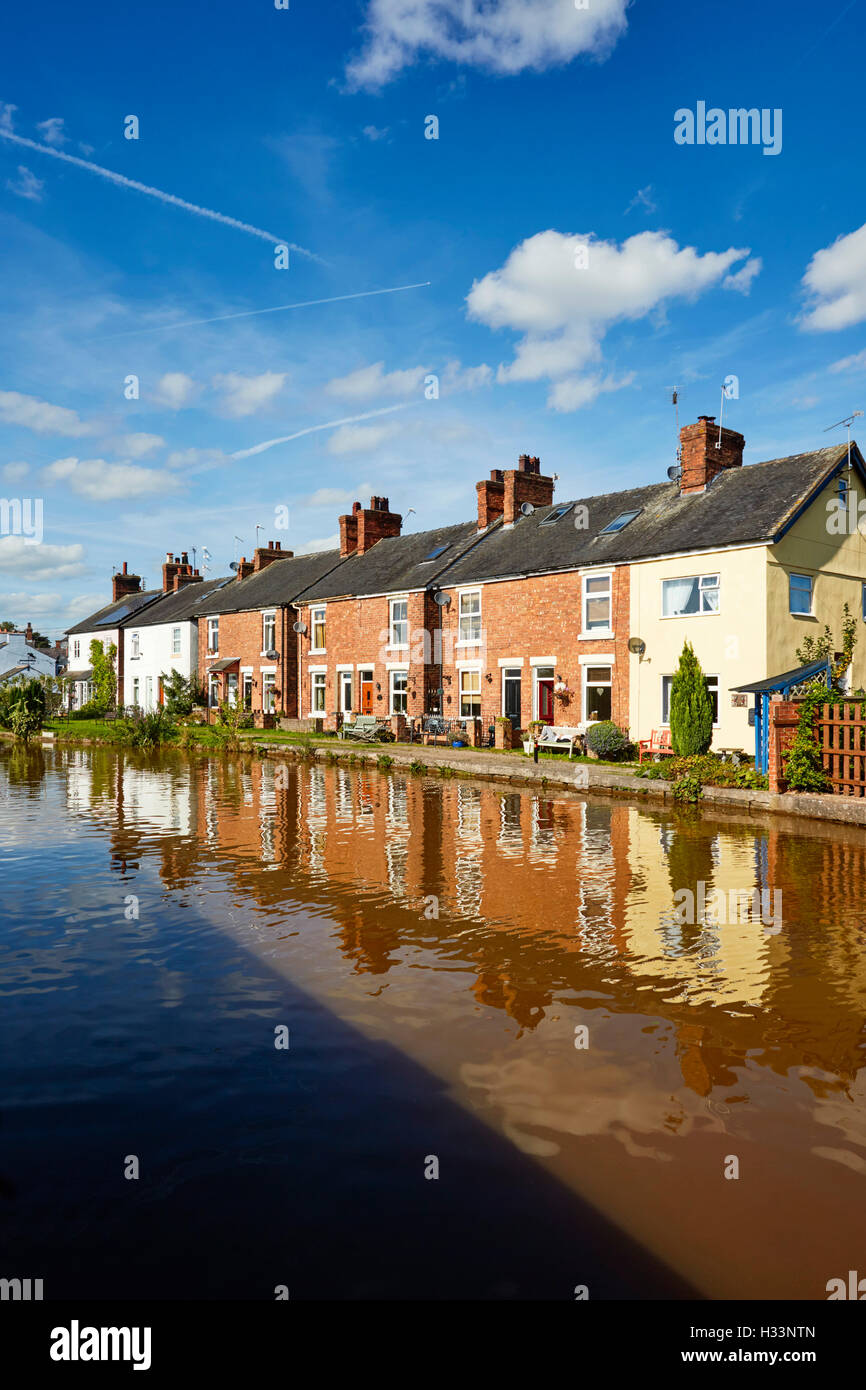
(365, 727)
(558, 738)
(659, 742)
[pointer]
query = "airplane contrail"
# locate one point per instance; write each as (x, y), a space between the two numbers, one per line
(123, 182)
(251, 313)
(313, 429)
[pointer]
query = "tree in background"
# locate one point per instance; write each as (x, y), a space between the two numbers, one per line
(104, 675)
(182, 694)
(691, 712)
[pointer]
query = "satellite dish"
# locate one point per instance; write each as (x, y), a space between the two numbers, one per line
(526, 509)
(299, 627)
(637, 646)
(233, 565)
(441, 599)
(675, 472)
(272, 656)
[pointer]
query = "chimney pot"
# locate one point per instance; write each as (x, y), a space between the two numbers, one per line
(705, 451)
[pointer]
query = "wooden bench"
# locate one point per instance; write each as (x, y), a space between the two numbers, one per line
(558, 738)
(365, 726)
(659, 743)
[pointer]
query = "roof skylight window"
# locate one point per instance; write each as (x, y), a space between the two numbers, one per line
(619, 522)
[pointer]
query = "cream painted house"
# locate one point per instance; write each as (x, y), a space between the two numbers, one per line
(748, 605)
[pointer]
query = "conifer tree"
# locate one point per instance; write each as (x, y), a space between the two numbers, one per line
(691, 712)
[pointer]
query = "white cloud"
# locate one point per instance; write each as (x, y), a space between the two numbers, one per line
(244, 395)
(175, 390)
(6, 110)
(194, 460)
(52, 130)
(505, 38)
(855, 363)
(564, 293)
(374, 132)
(14, 472)
(459, 378)
(835, 281)
(107, 482)
(355, 439)
(326, 543)
(135, 446)
(37, 562)
(741, 280)
(368, 383)
(335, 496)
(40, 416)
(26, 185)
(62, 611)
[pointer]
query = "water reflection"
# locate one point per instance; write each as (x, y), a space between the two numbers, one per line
(474, 927)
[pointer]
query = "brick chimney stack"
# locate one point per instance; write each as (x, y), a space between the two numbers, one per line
(264, 557)
(187, 576)
(28, 633)
(176, 569)
(525, 483)
(701, 459)
(491, 498)
(123, 584)
(360, 530)
(245, 567)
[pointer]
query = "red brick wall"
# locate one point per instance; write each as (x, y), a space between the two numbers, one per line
(540, 616)
(241, 636)
(784, 719)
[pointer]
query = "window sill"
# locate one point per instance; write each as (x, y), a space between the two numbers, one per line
(707, 613)
(605, 636)
(468, 642)
(314, 651)
(810, 617)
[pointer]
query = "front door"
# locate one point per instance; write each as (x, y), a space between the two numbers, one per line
(545, 701)
(366, 680)
(511, 694)
(232, 688)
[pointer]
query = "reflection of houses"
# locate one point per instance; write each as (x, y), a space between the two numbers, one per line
(533, 899)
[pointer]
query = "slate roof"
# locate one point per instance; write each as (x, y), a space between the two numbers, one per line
(175, 608)
(395, 563)
(753, 503)
(280, 582)
(124, 607)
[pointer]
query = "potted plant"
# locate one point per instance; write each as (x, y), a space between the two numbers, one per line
(533, 729)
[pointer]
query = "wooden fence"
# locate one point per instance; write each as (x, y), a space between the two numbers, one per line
(841, 731)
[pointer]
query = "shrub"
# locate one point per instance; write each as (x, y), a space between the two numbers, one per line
(803, 769)
(607, 739)
(691, 714)
(182, 694)
(417, 766)
(384, 762)
(148, 730)
(92, 710)
(26, 710)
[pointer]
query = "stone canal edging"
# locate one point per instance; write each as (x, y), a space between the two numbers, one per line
(578, 777)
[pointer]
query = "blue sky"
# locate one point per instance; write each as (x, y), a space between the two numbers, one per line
(307, 126)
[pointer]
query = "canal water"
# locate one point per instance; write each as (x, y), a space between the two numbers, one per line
(358, 1034)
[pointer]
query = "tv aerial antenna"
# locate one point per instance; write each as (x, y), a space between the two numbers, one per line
(848, 422)
(676, 469)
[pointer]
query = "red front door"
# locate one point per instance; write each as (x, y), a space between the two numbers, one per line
(366, 697)
(545, 701)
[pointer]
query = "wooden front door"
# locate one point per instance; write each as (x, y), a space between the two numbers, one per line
(366, 696)
(545, 701)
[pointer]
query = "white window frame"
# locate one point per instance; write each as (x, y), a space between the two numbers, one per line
(135, 691)
(346, 680)
(703, 588)
(314, 623)
(587, 632)
(462, 673)
(269, 616)
(213, 689)
(134, 646)
(176, 641)
(393, 692)
(796, 613)
(76, 648)
(269, 688)
(585, 684)
(668, 676)
(318, 683)
(247, 679)
(469, 619)
(394, 639)
(213, 636)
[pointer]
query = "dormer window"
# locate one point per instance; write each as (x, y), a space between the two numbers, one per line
(620, 522)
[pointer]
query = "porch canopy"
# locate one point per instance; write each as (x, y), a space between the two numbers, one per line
(782, 685)
(225, 663)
